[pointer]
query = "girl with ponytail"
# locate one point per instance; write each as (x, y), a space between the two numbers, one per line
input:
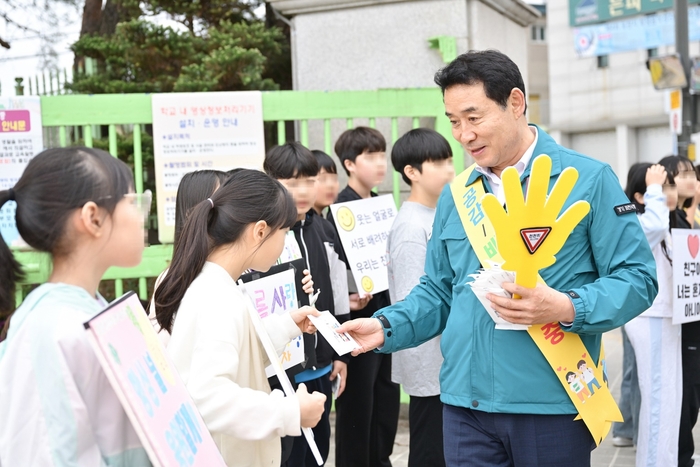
(212, 340)
(57, 406)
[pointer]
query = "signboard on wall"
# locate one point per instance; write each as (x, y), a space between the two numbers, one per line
(644, 32)
(21, 138)
(198, 131)
(598, 11)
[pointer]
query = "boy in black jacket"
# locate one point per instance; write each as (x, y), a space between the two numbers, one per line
(297, 169)
(368, 413)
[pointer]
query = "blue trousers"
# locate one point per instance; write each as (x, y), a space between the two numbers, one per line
(474, 438)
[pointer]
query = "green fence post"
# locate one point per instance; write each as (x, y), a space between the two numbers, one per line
(396, 176)
(138, 159)
(113, 140)
(305, 133)
(87, 135)
(327, 143)
(281, 133)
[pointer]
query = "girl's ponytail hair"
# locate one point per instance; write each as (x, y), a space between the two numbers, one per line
(54, 184)
(247, 197)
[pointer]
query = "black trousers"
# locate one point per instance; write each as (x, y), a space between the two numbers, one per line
(301, 454)
(691, 398)
(425, 427)
(367, 413)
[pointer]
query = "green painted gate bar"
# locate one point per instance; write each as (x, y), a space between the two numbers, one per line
(90, 111)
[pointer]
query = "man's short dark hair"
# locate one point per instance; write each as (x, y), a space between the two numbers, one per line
(418, 146)
(291, 160)
(354, 142)
(498, 73)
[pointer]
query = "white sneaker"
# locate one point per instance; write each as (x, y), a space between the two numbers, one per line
(620, 442)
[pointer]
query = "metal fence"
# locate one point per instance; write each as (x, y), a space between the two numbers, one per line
(64, 116)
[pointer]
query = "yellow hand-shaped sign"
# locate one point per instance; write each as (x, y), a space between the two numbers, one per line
(529, 234)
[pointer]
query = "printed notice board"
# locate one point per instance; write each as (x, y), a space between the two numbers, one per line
(686, 275)
(363, 227)
(149, 388)
(198, 131)
(21, 138)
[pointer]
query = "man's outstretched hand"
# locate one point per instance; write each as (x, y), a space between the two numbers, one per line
(367, 332)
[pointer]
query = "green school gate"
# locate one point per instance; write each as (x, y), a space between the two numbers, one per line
(60, 113)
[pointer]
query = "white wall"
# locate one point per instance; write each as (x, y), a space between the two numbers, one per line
(379, 46)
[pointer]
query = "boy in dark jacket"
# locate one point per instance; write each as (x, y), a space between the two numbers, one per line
(368, 413)
(296, 168)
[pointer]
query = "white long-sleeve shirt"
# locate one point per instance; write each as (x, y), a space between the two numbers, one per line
(57, 407)
(222, 363)
(655, 224)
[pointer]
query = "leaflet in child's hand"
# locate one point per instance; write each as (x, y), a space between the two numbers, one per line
(326, 325)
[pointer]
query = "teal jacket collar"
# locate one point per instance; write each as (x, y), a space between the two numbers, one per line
(545, 145)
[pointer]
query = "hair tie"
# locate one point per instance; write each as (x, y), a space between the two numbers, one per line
(212, 202)
(11, 194)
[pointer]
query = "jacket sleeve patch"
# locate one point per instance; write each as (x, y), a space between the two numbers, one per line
(625, 209)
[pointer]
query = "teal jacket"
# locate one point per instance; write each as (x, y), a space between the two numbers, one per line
(606, 263)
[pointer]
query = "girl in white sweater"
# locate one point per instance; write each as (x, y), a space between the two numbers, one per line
(655, 339)
(213, 342)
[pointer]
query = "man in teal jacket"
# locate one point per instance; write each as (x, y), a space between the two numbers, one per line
(504, 405)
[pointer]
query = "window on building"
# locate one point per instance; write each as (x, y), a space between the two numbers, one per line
(652, 52)
(537, 33)
(603, 61)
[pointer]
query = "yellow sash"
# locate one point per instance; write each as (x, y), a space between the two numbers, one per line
(582, 380)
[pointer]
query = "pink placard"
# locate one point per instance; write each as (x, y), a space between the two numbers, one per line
(15, 121)
(150, 389)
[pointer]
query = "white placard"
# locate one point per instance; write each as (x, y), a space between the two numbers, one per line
(21, 138)
(203, 130)
(275, 295)
(279, 372)
(363, 227)
(686, 275)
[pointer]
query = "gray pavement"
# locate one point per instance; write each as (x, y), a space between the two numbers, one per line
(606, 455)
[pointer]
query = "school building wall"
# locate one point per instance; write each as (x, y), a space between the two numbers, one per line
(366, 45)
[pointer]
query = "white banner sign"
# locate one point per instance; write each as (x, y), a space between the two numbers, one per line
(686, 275)
(198, 131)
(274, 295)
(363, 227)
(21, 138)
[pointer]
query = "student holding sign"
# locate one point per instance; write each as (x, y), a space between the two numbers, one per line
(655, 339)
(368, 412)
(213, 342)
(295, 167)
(505, 403)
(683, 172)
(58, 407)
